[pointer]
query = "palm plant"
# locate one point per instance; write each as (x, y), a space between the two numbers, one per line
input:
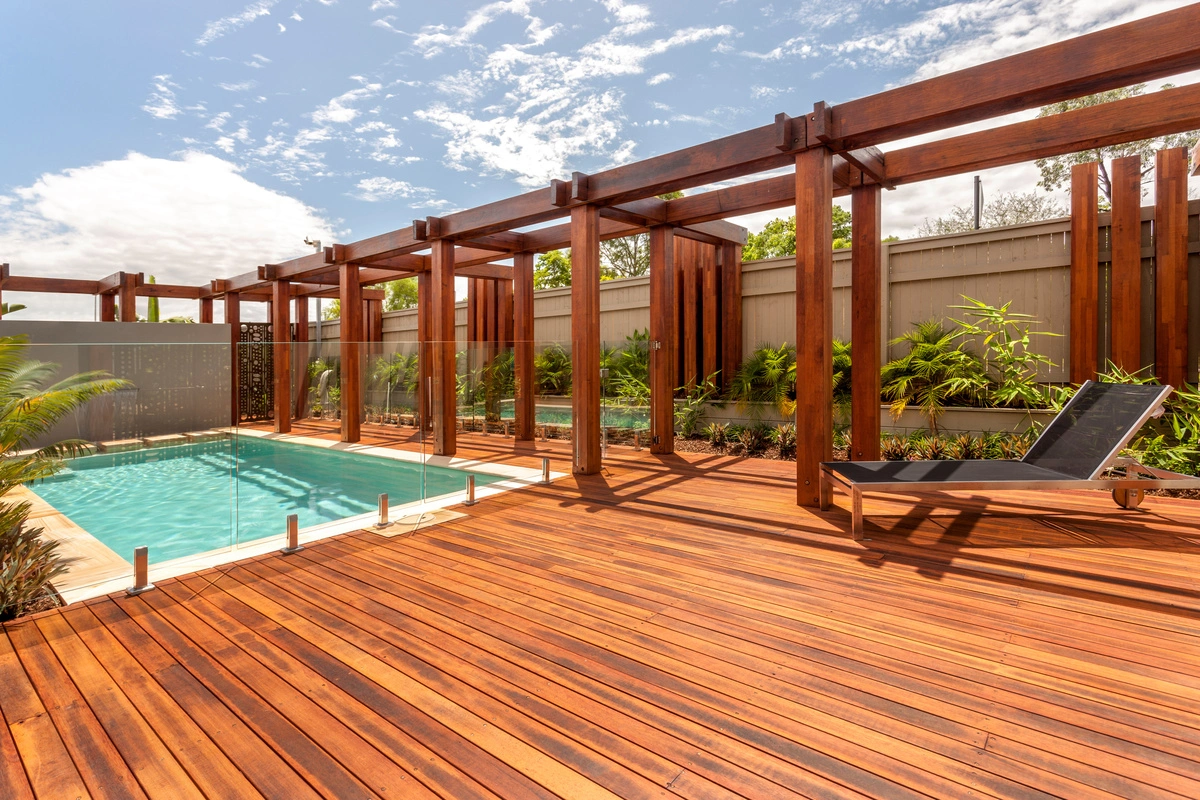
(934, 372)
(29, 407)
(552, 370)
(391, 371)
(841, 376)
(768, 375)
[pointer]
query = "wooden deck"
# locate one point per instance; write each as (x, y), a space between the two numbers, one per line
(674, 627)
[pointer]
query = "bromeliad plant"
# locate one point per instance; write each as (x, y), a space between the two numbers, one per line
(30, 405)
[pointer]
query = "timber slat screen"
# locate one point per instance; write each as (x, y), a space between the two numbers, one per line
(836, 150)
(638, 635)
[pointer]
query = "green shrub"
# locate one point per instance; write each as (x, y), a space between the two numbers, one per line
(1010, 370)
(895, 448)
(754, 438)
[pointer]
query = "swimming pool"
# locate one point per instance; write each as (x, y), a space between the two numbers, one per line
(189, 499)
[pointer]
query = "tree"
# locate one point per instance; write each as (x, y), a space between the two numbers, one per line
(152, 305)
(333, 310)
(1012, 208)
(553, 270)
(1056, 171)
(778, 237)
(29, 407)
(10, 308)
(629, 256)
(400, 294)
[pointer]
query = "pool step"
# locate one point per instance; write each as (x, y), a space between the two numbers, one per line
(120, 445)
(166, 440)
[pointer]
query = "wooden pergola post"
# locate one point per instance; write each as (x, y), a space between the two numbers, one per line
(866, 281)
(424, 348)
(108, 307)
(709, 284)
(444, 374)
(233, 318)
(206, 310)
(585, 338)
(350, 295)
(522, 283)
(1171, 266)
(281, 329)
(731, 311)
(1126, 304)
(300, 367)
(662, 339)
(128, 297)
(814, 320)
(1085, 272)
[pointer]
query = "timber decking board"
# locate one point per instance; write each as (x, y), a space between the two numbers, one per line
(672, 626)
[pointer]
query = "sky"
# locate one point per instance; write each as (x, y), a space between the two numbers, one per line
(198, 140)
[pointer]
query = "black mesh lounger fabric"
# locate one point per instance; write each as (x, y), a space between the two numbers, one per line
(933, 472)
(1080, 440)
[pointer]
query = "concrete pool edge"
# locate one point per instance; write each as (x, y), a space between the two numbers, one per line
(103, 571)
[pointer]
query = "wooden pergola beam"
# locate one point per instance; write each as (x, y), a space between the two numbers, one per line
(23, 283)
(1135, 52)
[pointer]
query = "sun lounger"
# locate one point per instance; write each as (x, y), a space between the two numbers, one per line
(1079, 449)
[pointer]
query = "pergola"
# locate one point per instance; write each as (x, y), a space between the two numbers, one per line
(834, 150)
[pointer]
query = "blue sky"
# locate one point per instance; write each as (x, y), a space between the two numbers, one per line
(197, 140)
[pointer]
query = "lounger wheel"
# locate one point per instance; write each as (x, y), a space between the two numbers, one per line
(1128, 498)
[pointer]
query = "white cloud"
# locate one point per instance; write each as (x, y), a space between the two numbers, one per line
(215, 30)
(296, 16)
(543, 111)
(340, 108)
(378, 4)
(238, 87)
(161, 103)
(282, 27)
(184, 220)
(661, 77)
(379, 188)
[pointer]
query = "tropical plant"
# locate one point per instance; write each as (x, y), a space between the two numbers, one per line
(934, 372)
(30, 406)
(690, 412)
(717, 433)
(841, 376)
(894, 448)
(784, 436)
(394, 370)
(768, 375)
(754, 438)
(1010, 366)
(552, 370)
(499, 380)
(11, 308)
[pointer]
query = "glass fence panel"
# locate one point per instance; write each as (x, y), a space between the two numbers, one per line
(155, 461)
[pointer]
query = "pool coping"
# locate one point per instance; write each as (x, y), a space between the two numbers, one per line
(96, 570)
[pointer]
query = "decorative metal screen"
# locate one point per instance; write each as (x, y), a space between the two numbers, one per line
(256, 385)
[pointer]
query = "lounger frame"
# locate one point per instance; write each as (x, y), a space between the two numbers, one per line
(1127, 487)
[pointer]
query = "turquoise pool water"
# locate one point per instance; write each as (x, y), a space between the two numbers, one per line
(611, 416)
(184, 500)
